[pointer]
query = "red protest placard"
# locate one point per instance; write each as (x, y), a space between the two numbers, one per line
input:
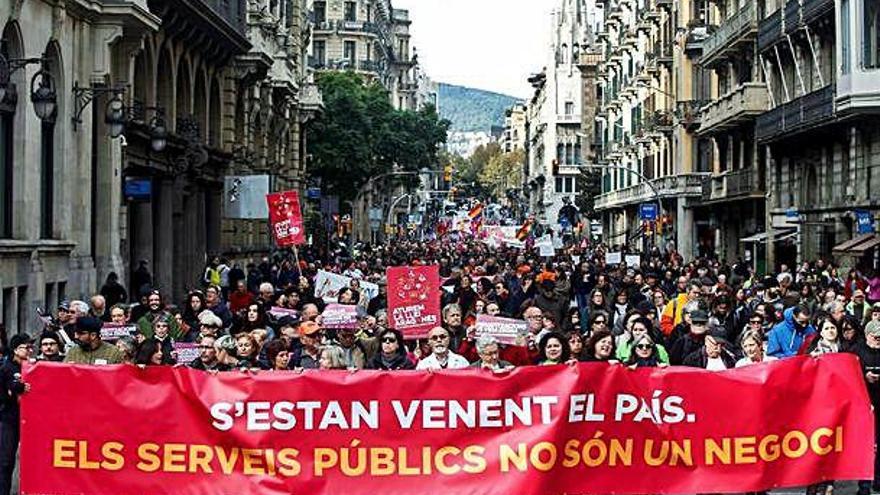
(285, 217)
(413, 299)
(589, 429)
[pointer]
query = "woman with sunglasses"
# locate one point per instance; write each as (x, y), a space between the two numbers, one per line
(392, 355)
(598, 323)
(644, 354)
(639, 326)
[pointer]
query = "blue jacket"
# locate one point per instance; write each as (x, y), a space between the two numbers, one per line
(784, 339)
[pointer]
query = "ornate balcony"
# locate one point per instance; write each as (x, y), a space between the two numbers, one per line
(741, 27)
(807, 112)
(688, 113)
(790, 18)
(671, 186)
(741, 105)
(733, 184)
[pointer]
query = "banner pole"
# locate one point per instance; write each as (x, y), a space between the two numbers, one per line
(296, 260)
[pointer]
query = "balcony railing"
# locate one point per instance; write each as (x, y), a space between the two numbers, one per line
(742, 104)
(731, 184)
(369, 66)
(681, 185)
(735, 28)
(317, 63)
(806, 112)
(790, 18)
(324, 25)
(688, 113)
(568, 118)
(770, 30)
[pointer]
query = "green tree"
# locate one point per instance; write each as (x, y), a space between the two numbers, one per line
(502, 173)
(360, 135)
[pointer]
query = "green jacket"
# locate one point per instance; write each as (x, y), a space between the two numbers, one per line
(104, 354)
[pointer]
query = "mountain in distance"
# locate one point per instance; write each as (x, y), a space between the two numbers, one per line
(471, 109)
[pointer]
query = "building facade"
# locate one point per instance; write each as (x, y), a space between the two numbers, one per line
(554, 139)
(119, 124)
(369, 37)
(651, 90)
(819, 138)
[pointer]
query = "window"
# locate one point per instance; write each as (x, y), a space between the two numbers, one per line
(350, 52)
(565, 185)
(845, 37)
(320, 12)
(47, 179)
(320, 52)
(871, 33)
(350, 11)
(6, 140)
(569, 108)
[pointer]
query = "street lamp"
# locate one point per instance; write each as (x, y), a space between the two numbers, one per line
(43, 95)
(158, 132)
(115, 115)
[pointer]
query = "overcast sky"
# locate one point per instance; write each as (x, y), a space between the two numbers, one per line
(485, 44)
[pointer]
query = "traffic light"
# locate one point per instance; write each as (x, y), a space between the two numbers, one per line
(452, 192)
(447, 172)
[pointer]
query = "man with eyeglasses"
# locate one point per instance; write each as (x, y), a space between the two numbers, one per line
(22, 348)
(441, 357)
(50, 348)
(208, 359)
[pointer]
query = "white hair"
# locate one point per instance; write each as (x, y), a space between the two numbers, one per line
(79, 307)
(266, 286)
(484, 341)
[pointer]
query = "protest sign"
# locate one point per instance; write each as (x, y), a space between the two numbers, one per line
(545, 246)
(185, 352)
(278, 312)
(413, 299)
(506, 330)
(633, 260)
(328, 285)
(285, 217)
(339, 316)
(589, 429)
(111, 332)
(613, 258)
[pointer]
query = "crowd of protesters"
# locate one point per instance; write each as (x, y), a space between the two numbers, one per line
(665, 311)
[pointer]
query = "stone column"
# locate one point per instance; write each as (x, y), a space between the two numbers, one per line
(211, 218)
(163, 237)
(141, 234)
(107, 170)
(684, 230)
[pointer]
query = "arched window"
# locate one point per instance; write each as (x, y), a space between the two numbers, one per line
(48, 145)
(11, 47)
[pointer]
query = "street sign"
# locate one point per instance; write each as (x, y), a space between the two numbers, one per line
(313, 193)
(864, 222)
(648, 211)
(791, 213)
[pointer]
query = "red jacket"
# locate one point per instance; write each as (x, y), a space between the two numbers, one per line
(239, 301)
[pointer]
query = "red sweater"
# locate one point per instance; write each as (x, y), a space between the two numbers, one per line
(239, 301)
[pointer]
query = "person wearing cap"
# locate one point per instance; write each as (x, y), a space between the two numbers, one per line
(90, 349)
(874, 315)
(308, 355)
(21, 349)
(209, 323)
(50, 348)
(690, 335)
(868, 352)
(858, 308)
(714, 355)
(787, 337)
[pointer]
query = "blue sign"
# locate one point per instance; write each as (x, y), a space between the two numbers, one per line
(864, 222)
(137, 188)
(313, 193)
(791, 213)
(648, 211)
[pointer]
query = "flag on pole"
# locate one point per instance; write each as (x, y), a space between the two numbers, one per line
(525, 231)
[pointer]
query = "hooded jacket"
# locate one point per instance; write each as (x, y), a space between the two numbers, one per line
(786, 338)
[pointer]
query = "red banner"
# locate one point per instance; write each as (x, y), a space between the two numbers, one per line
(285, 217)
(414, 299)
(589, 429)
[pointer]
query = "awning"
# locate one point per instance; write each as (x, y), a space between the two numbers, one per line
(858, 245)
(778, 235)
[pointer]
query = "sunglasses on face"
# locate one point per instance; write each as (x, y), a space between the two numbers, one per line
(389, 340)
(644, 347)
(599, 322)
(438, 338)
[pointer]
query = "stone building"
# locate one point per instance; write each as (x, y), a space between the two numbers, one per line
(371, 38)
(119, 124)
(651, 89)
(555, 144)
(820, 138)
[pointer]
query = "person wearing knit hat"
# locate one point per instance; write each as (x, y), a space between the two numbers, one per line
(209, 323)
(90, 349)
